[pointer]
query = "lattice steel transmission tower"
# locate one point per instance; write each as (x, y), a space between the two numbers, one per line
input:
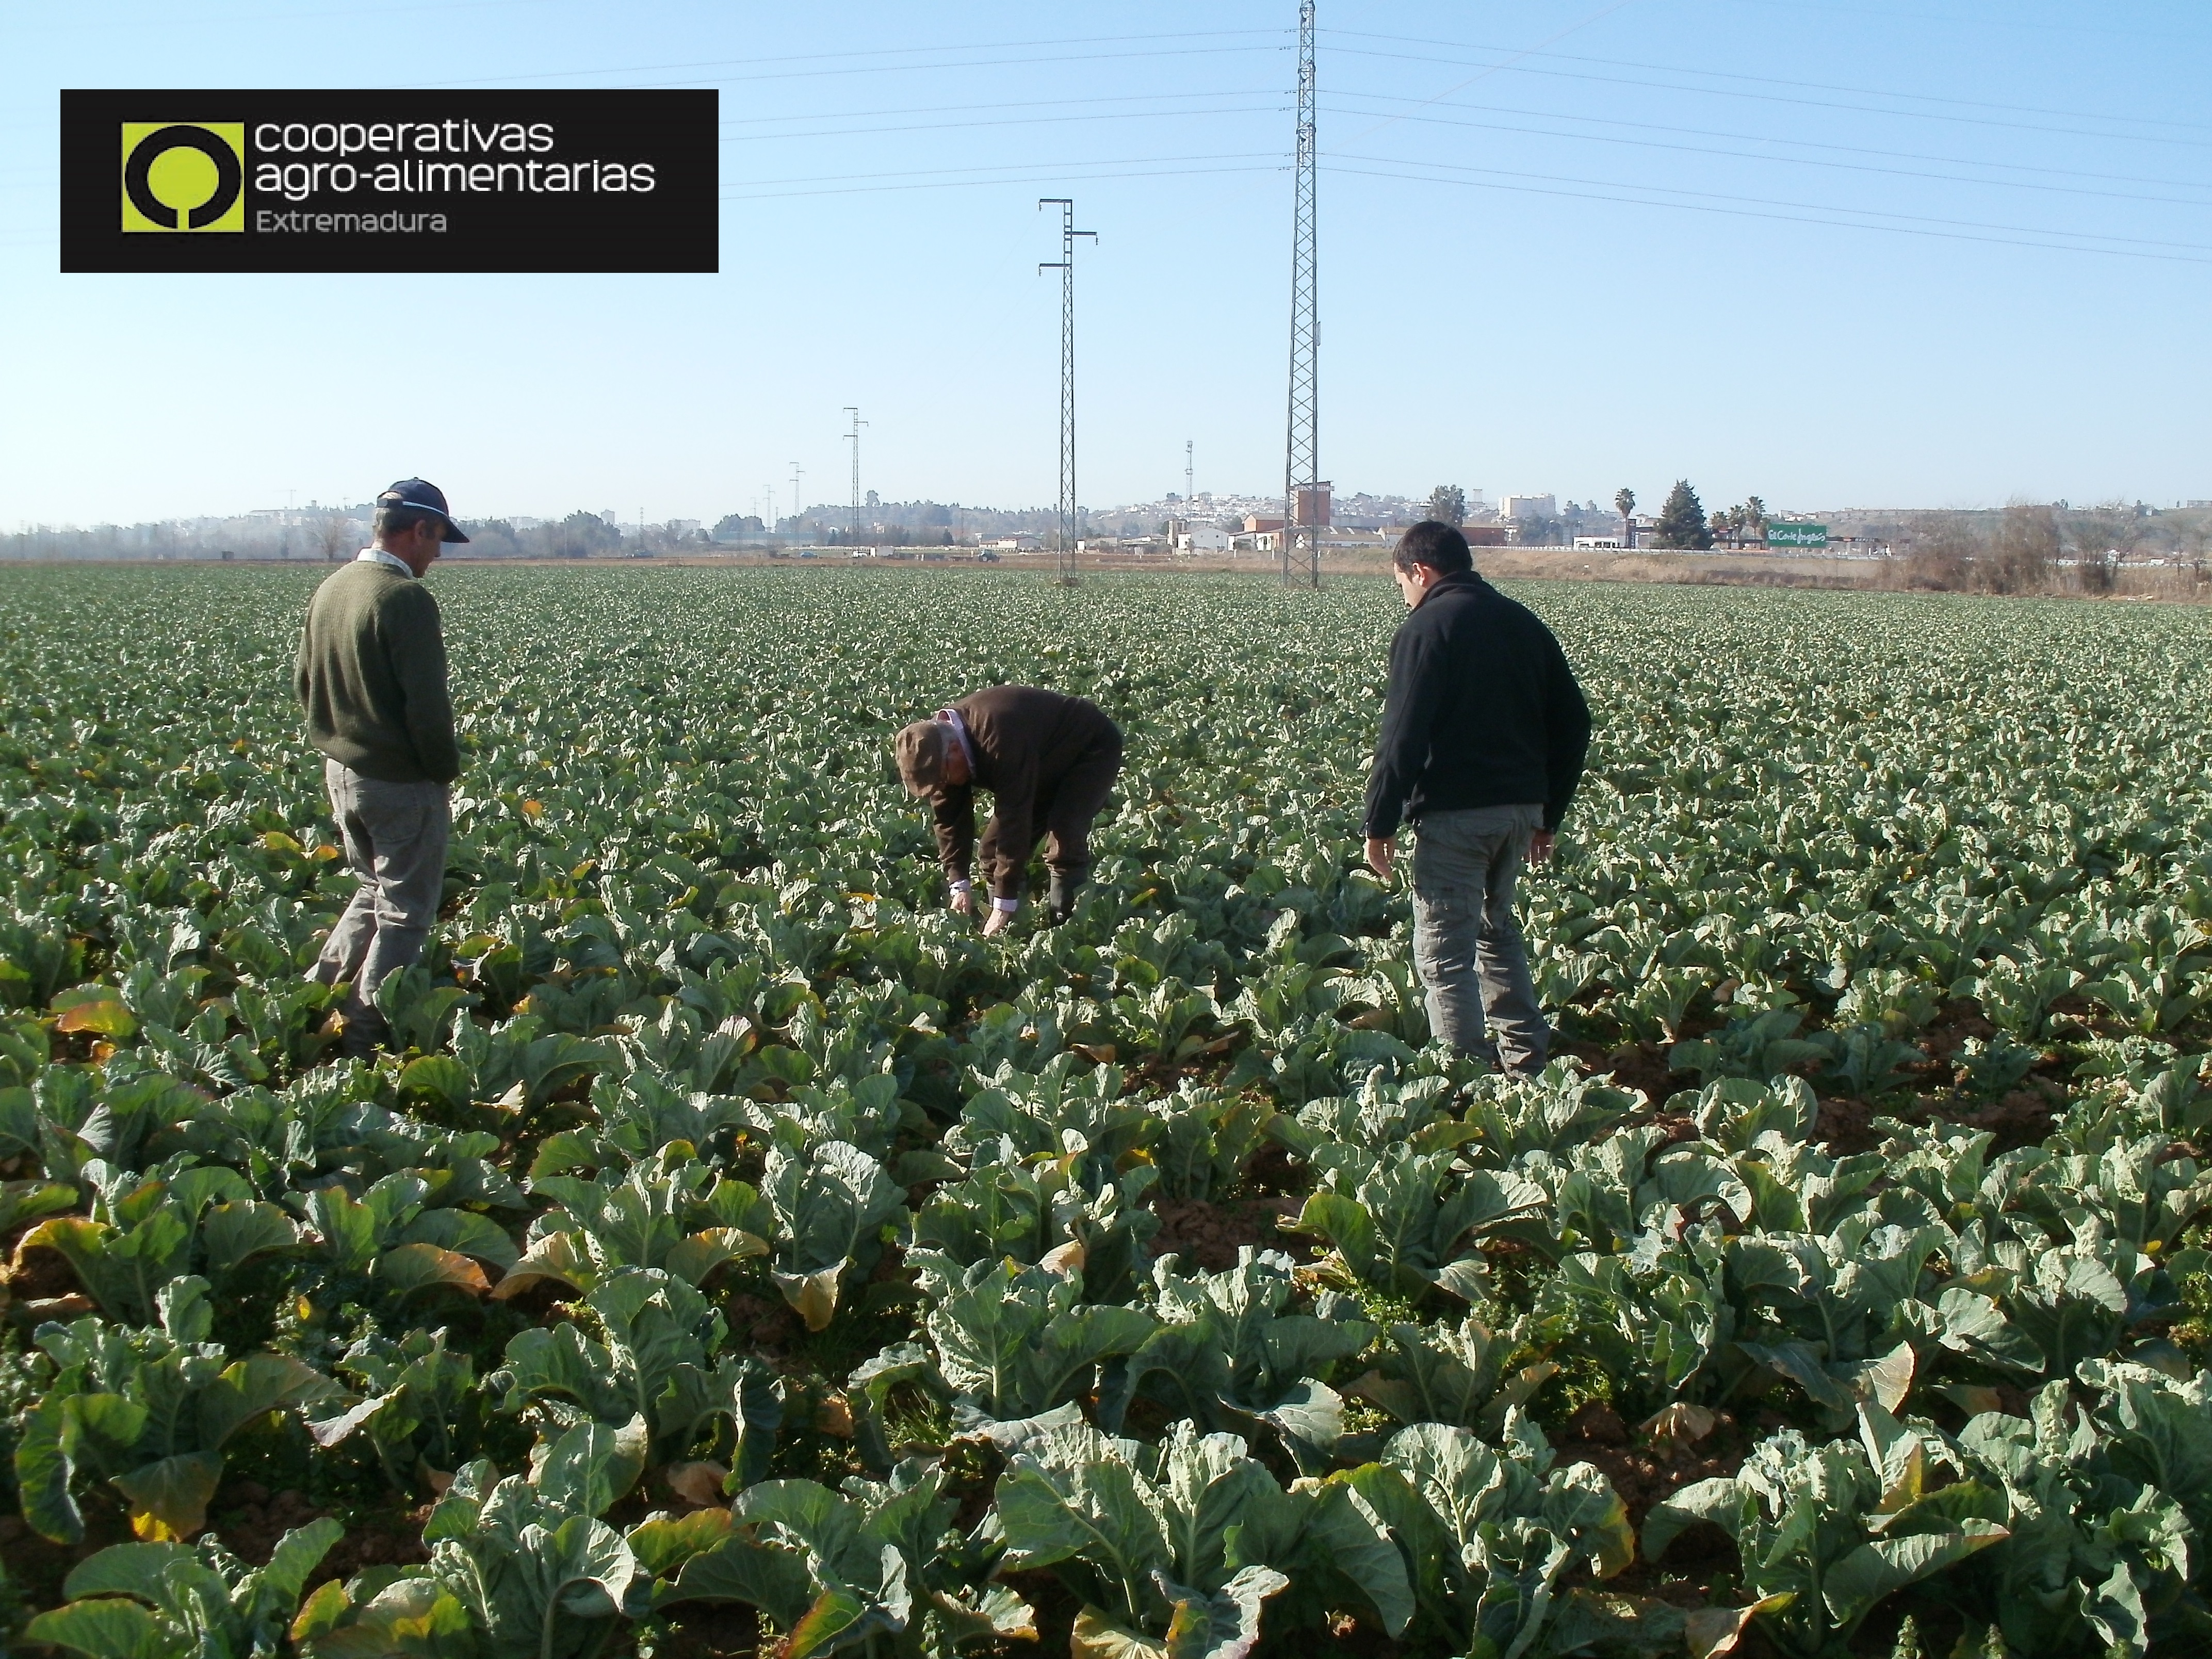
(1302, 454)
(854, 524)
(1064, 552)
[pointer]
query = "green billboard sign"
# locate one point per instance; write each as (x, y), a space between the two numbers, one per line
(1796, 535)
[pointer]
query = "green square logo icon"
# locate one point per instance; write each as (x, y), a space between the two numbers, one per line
(183, 175)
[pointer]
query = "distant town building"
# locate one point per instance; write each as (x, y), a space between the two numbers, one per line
(1202, 538)
(1527, 507)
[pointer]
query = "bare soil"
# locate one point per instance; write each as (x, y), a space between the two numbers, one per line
(1642, 1471)
(251, 1520)
(1209, 1234)
(1634, 1066)
(708, 1630)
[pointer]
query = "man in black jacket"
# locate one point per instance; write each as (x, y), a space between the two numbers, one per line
(1484, 735)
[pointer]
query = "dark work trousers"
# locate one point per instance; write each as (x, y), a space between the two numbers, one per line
(395, 843)
(1467, 943)
(1064, 812)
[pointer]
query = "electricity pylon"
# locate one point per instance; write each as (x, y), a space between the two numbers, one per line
(1302, 454)
(854, 435)
(1065, 559)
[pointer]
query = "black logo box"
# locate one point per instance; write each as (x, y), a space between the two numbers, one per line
(505, 226)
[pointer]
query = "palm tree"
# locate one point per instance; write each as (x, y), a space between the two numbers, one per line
(1754, 511)
(1624, 502)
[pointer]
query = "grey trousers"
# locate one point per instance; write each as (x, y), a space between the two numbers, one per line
(395, 842)
(1467, 944)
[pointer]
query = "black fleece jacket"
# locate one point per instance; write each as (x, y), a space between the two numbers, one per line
(1482, 711)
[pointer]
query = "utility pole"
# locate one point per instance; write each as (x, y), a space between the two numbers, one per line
(796, 474)
(1066, 266)
(1189, 472)
(1301, 461)
(854, 435)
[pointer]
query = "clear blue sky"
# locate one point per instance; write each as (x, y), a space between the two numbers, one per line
(1565, 247)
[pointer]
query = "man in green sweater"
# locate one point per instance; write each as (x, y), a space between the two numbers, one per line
(372, 678)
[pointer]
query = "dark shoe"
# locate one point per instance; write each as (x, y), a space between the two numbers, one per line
(361, 1039)
(1060, 899)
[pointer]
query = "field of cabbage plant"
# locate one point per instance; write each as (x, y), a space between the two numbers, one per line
(744, 1256)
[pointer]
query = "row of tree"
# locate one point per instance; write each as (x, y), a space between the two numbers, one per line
(1682, 526)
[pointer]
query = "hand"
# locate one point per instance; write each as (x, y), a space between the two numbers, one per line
(963, 901)
(997, 923)
(1540, 846)
(1382, 854)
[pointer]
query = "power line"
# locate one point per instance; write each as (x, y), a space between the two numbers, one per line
(1981, 22)
(894, 68)
(1810, 103)
(200, 22)
(1049, 169)
(1038, 177)
(1809, 162)
(1812, 207)
(1016, 121)
(1489, 70)
(996, 104)
(1387, 172)
(1795, 143)
(1776, 81)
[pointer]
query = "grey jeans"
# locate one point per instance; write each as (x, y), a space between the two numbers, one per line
(395, 842)
(1467, 944)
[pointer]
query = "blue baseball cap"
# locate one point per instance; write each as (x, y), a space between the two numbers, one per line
(424, 497)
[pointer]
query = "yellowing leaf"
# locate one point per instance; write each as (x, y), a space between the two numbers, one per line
(1097, 1637)
(95, 1008)
(814, 1295)
(699, 1483)
(1065, 1260)
(1682, 1422)
(408, 1268)
(1713, 1631)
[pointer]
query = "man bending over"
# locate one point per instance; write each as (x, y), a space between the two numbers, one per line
(1048, 760)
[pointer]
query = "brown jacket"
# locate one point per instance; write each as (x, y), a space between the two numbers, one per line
(1025, 742)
